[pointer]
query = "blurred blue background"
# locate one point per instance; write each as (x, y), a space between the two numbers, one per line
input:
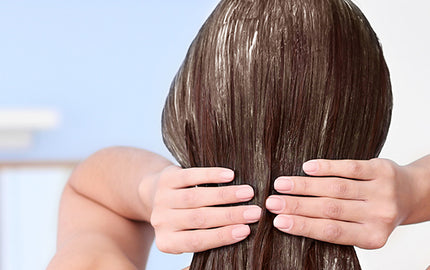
(105, 67)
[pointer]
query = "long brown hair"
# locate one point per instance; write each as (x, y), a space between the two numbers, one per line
(265, 86)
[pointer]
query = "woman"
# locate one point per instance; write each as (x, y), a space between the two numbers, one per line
(102, 191)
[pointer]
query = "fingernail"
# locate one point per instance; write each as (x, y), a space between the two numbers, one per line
(227, 175)
(245, 193)
(275, 204)
(310, 166)
(253, 214)
(283, 222)
(283, 184)
(240, 232)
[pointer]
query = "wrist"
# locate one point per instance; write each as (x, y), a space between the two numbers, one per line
(419, 180)
(147, 188)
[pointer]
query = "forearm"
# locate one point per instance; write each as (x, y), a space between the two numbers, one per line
(91, 236)
(90, 251)
(104, 217)
(419, 176)
(112, 177)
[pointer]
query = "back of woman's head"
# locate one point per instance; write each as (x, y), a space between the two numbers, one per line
(265, 86)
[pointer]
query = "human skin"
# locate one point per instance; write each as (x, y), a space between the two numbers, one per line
(113, 196)
(107, 204)
(361, 212)
(103, 219)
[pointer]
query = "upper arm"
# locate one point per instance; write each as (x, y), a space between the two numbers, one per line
(96, 235)
(103, 214)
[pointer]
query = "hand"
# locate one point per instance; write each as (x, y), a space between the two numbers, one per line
(361, 212)
(183, 219)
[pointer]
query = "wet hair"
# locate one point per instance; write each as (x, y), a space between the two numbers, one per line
(267, 85)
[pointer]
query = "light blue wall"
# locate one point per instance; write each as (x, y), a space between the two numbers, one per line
(106, 66)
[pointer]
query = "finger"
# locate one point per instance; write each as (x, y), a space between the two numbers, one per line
(211, 217)
(181, 178)
(209, 196)
(356, 169)
(340, 188)
(201, 240)
(346, 210)
(333, 231)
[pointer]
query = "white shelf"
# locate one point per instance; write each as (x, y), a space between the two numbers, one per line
(17, 126)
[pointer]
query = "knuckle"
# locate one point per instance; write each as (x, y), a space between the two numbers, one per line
(293, 206)
(301, 228)
(157, 199)
(385, 167)
(161, 245)
(389, 215)
(189, 197)
(166, 174)
(160, 197)
(185, 173)
(194, 243)
(229, 215)
(355, 168)
(332, 209)
(376, 240)
(206, 174)
(389, 170)
(332, 232)
(221, 236)
(306, 186)
(297, 206)
(164, 246)
(340, 188)
(376, 163)
(197, 219)
(388, 194)
(223, 194)
(155, 220)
